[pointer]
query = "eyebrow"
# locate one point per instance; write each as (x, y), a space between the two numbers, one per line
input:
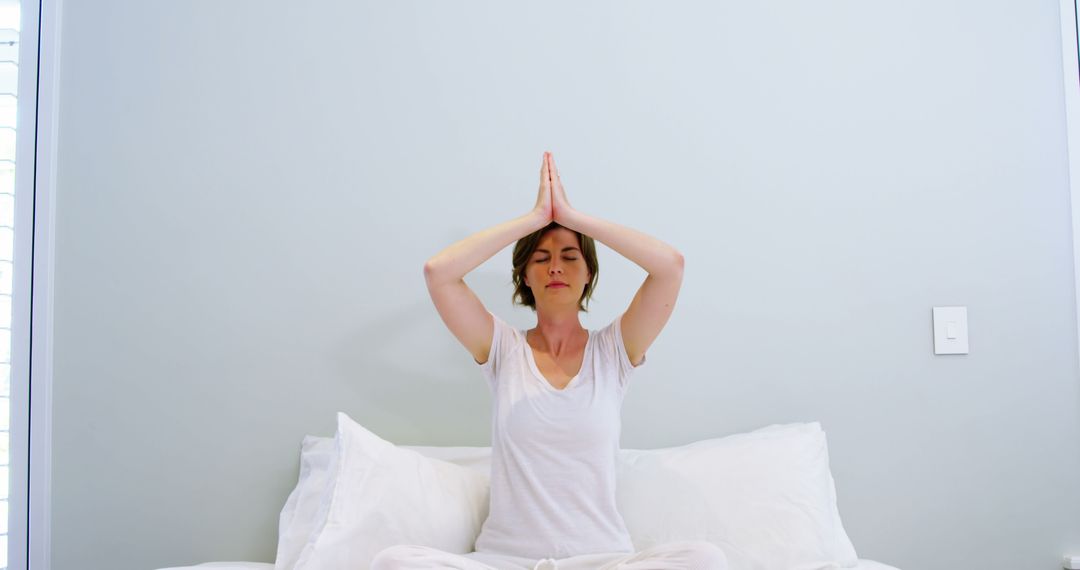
(564, 249)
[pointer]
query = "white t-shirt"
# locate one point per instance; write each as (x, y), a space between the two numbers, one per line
(553, 451)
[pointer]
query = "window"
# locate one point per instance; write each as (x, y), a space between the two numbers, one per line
(9, 83)
(29, 33)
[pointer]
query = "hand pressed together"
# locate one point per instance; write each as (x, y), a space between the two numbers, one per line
(551, 202)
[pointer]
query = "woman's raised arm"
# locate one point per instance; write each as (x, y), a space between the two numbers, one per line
(458, 306)
(655, 299)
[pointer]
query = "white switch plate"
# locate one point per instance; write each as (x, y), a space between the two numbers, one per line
(950, 330)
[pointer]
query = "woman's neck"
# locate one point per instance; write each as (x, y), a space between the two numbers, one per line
(557, 332)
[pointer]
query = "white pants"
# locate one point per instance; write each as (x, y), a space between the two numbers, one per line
(688, 555)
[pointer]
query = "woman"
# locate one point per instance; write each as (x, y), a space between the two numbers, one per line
(557, 392)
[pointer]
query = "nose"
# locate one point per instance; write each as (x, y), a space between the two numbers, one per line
(555, 267)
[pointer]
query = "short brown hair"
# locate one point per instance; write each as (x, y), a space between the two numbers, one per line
(524, 249)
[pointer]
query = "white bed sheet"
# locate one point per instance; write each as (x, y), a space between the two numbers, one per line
(863, 565)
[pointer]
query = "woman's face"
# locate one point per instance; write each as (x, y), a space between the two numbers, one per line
(556, 272)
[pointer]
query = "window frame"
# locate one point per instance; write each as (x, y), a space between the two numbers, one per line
(29, 513)
(1070, 58)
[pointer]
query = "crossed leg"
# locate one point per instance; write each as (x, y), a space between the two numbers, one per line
(682, 555)
(414, 557)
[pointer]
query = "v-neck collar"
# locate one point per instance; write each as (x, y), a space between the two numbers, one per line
(536, 369)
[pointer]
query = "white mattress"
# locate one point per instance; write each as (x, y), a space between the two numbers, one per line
(863, 565)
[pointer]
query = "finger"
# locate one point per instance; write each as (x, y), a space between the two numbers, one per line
(547, 162)
(545, 176)
(554, 169)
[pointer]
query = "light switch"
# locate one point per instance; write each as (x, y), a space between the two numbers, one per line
(950, 330)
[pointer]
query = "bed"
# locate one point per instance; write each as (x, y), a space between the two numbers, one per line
(766, 497)
(863, 565)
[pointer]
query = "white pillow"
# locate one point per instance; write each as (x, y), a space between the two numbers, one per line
(297, 519)
(766, 498)
(380, 495)
(475, 458)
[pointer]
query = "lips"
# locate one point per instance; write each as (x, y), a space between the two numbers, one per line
(557, 285)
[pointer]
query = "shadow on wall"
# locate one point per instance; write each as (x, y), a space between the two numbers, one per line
(413, 382)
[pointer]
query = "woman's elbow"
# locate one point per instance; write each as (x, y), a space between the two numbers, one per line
(678, 265)
(680, 261)
(431, 270)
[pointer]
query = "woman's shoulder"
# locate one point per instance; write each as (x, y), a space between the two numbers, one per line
(608, 329)
(606, 335)
(506, 330)
(609, 340)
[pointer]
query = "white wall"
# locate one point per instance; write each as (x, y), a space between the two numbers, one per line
(247, 192)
